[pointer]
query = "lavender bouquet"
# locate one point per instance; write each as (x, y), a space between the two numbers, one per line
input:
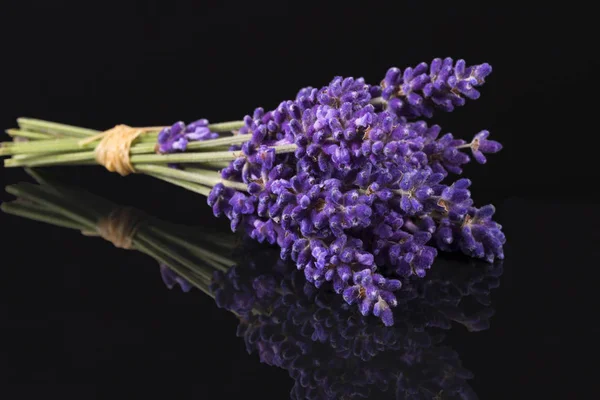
(329, 349)
(347, 180)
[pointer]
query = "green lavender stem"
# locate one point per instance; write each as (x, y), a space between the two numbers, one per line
(55, 128)
(52, 159)
(29, 134)
(216, 165)
(203, 177)
(75, 131)
(219, 142)
(48, 137)
(194, 187)
(379, 102)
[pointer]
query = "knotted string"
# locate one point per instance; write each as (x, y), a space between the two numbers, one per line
(119, 227)
(113, 150)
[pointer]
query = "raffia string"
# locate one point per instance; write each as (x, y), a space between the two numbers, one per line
(113, 150)
(119, 227)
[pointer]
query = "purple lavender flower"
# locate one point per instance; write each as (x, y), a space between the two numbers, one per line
(176, 137)
(475, 234)
(374, 294)
(443, 85)
(415, 188)
(480, 145)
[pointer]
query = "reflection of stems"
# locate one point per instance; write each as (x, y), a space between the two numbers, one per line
(192, 254)
(196, 280)
(34, 193)
(34, 212)
(175, 255)
(201, 282)
(224, 261)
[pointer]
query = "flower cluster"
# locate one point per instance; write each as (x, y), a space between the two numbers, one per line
(365, 186)
(176, 138)
(442, 85)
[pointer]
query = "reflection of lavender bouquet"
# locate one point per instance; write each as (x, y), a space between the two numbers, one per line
(178, 249)
(330, 351)
(346, 179)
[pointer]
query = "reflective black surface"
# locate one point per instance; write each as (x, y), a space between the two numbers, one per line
(83, 319)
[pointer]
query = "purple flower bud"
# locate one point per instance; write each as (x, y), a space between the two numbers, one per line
(344, 272)
(364, 258)
(365, 306)
(392, 77)
(352, 294)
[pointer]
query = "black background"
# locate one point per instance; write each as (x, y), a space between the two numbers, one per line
(79, 316)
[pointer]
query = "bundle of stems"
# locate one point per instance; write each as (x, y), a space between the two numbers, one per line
(38, 143)
(189, 251)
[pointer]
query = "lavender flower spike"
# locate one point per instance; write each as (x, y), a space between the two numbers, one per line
(442, 85)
